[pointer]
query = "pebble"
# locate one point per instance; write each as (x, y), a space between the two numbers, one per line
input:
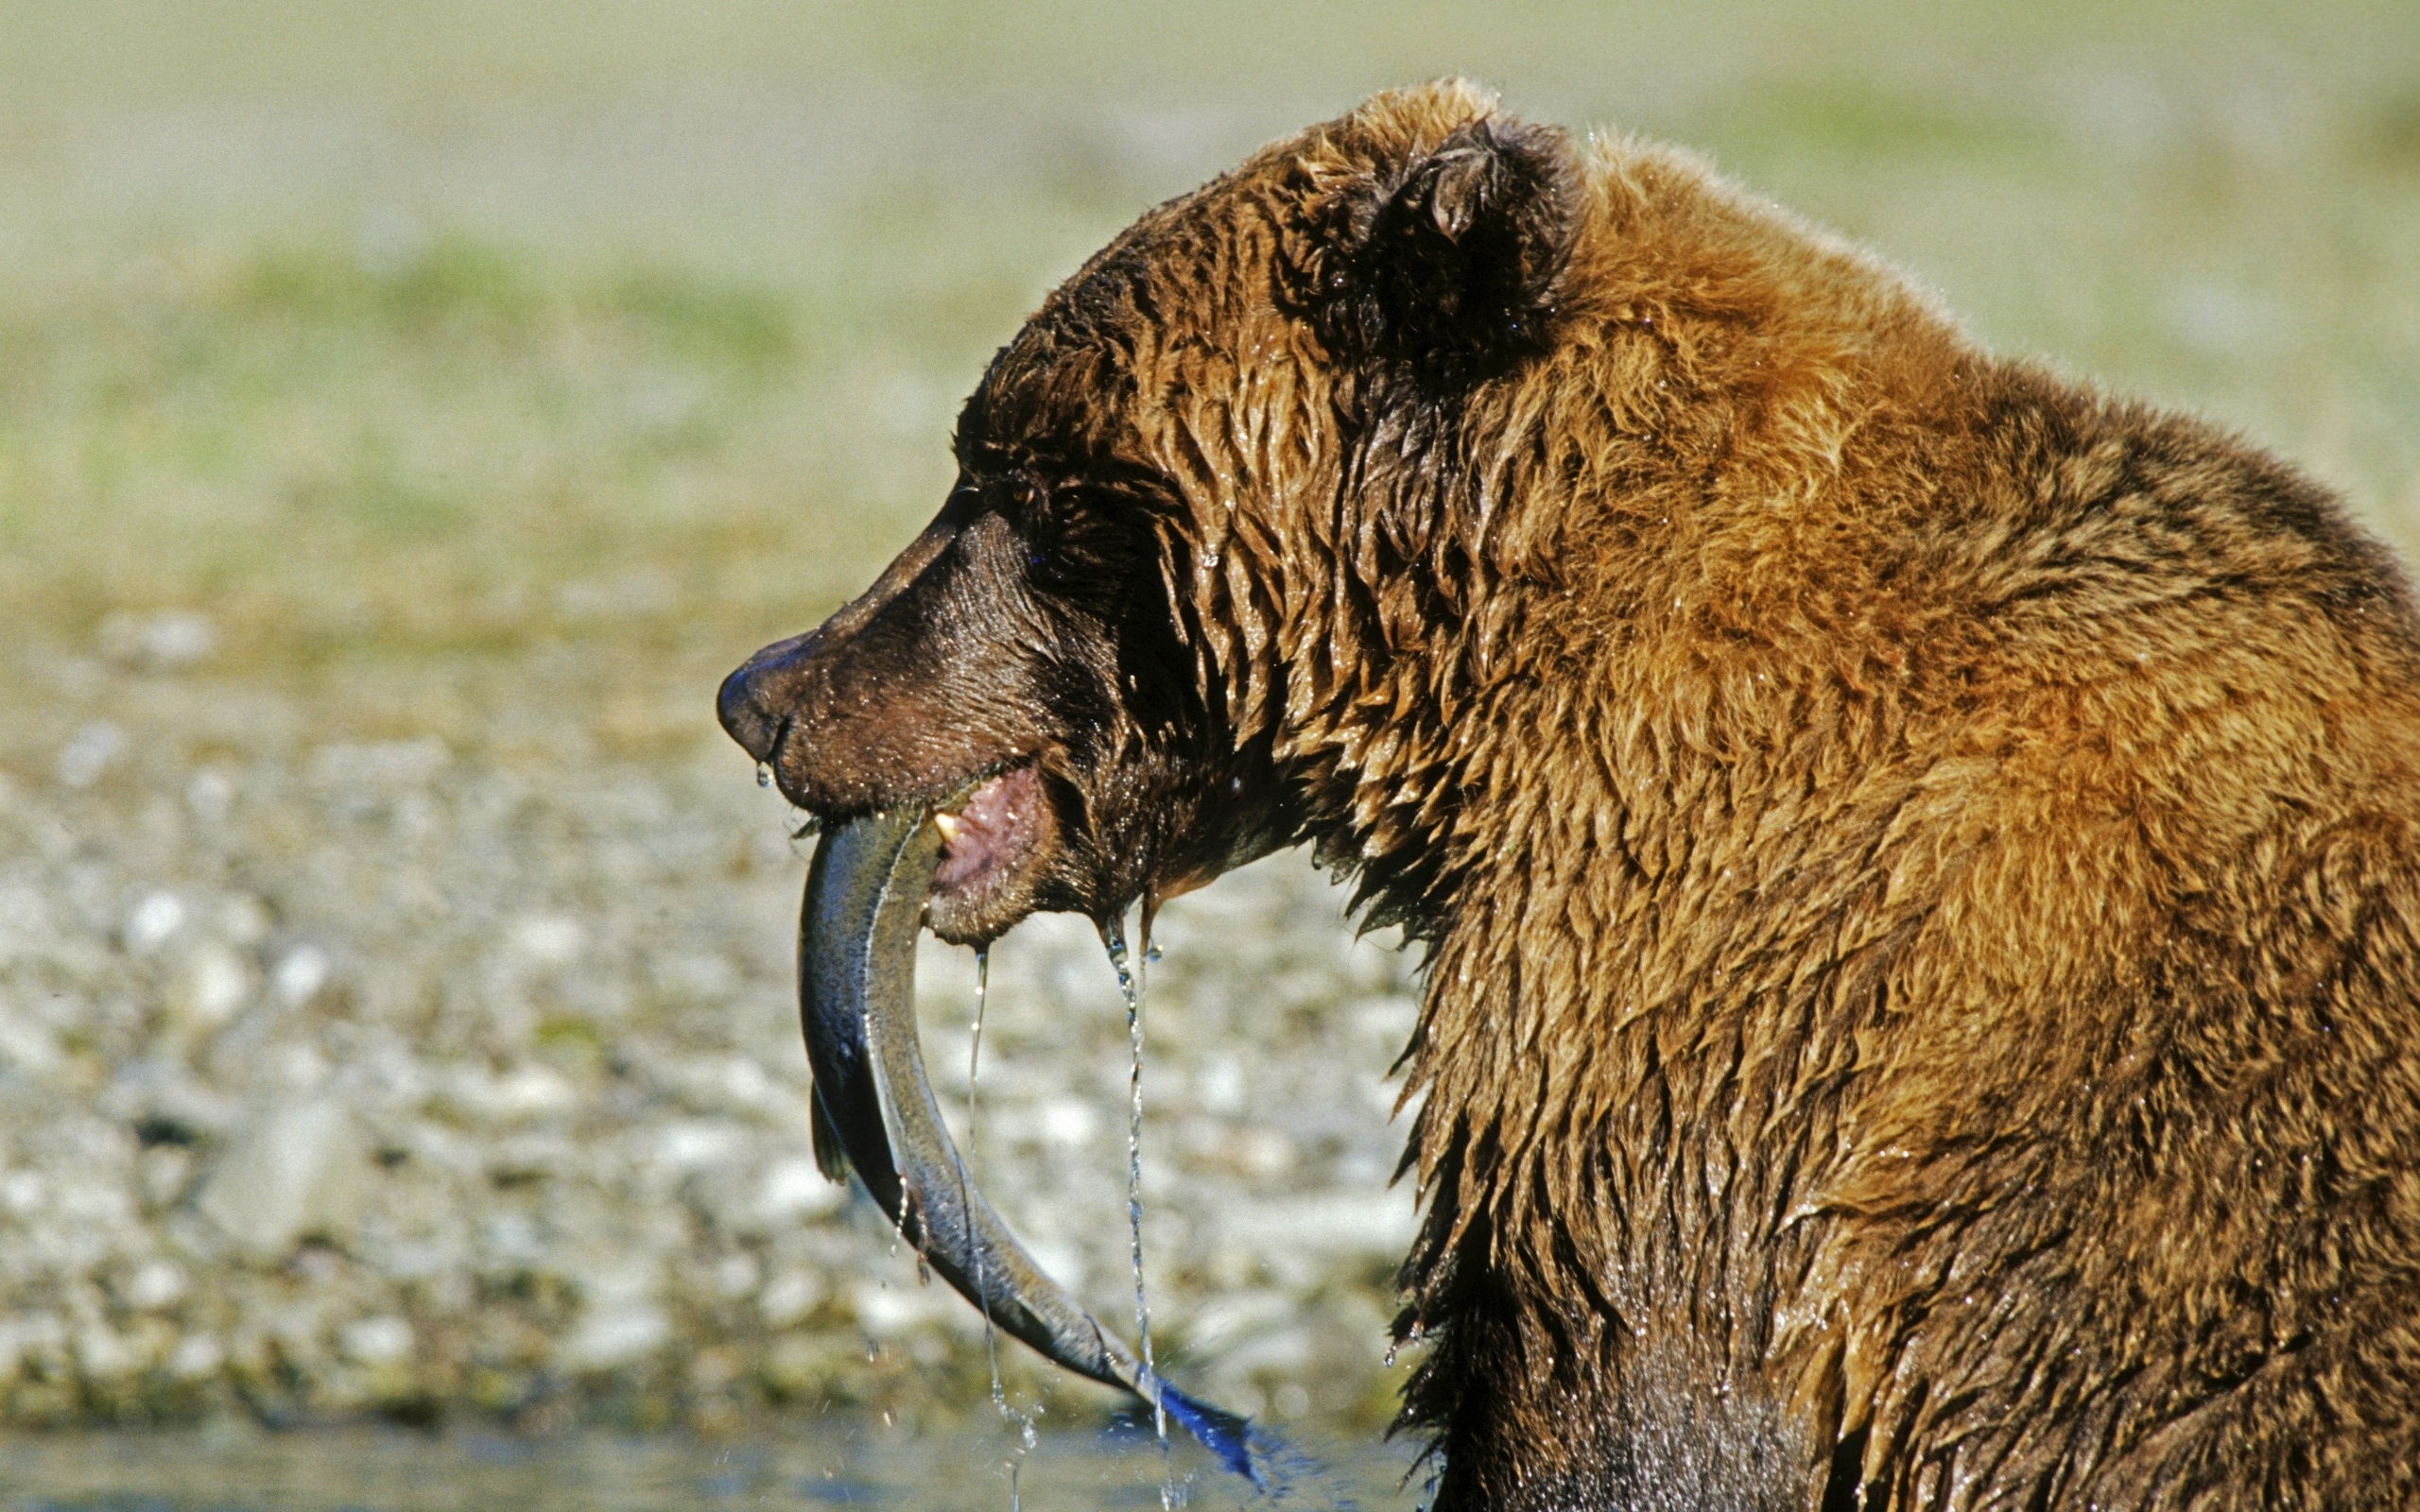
(293, 1170)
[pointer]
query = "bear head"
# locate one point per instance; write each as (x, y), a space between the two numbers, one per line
(1227, 450)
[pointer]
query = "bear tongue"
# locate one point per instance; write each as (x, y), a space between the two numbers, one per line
(991, 832)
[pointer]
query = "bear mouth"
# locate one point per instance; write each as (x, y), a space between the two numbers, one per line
(990, 838)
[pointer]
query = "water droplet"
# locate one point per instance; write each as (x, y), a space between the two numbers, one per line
(764, 774)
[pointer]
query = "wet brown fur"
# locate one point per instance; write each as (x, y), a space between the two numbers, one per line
(1920, 861)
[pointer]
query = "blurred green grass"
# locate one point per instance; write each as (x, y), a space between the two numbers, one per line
(460, 359)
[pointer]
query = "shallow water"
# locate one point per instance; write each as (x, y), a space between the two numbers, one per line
(820, 1464)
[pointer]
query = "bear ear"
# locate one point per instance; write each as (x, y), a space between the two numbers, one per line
(1448, 259)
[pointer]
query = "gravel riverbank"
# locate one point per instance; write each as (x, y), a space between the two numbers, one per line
(370, 1078)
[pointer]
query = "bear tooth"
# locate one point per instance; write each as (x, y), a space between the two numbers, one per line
(948, 824)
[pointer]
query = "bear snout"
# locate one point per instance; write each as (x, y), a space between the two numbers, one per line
(843, 732)
(889, 702)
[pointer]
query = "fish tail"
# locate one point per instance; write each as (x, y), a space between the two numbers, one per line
(1233, 1439)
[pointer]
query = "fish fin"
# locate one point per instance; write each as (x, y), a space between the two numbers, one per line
(831, 1157)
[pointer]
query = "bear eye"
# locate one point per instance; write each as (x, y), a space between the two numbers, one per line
(1042, 514)
(1075, 536)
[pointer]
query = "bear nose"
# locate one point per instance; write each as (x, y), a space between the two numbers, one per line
(754, 699)
(736, 706)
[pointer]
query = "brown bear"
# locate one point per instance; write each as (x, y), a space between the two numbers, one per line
(1918, 860)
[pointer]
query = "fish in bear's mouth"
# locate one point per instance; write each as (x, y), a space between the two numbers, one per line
(867, 894)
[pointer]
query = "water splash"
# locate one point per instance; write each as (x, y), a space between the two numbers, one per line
(1023, 1421)
(1131, 982)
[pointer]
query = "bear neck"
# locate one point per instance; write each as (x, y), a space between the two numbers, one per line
(1544, 712)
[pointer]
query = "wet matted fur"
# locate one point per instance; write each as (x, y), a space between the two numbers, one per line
(1919, 861)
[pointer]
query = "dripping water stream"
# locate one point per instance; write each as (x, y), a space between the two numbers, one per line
(1023, 1421)
(1131, 982)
